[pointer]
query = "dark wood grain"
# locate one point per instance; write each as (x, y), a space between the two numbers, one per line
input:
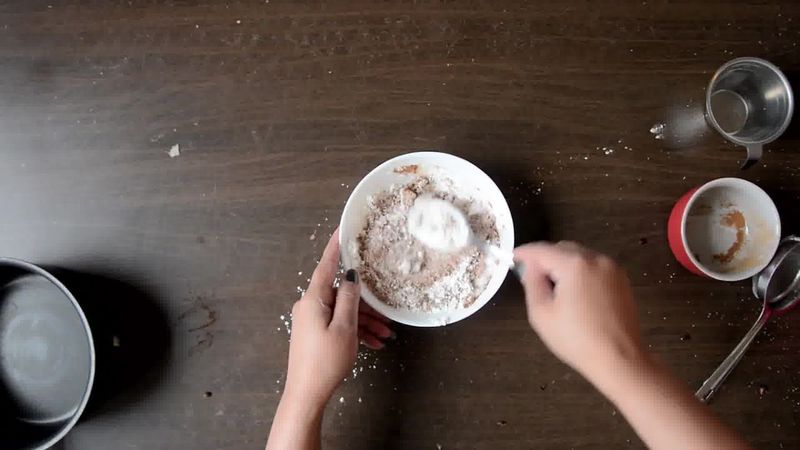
(280, 107)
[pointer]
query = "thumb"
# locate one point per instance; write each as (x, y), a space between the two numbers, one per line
(345, 312)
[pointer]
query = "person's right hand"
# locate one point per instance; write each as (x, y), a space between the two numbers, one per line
(580, 304)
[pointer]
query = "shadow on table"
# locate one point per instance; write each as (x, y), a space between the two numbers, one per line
(131, 338)
(400, 386)
(395, 413)
(389, 426)
(397, 416)
(524, 195)
(503, 150)
(793, 130)
(786, 201)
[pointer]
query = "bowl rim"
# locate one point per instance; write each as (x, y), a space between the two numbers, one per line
(456, 315)
(36, 270)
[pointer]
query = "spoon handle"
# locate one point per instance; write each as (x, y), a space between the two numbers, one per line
(503, 257)
(713, 383)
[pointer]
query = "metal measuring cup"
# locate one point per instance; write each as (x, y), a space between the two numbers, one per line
(778, 287)
(749, 102)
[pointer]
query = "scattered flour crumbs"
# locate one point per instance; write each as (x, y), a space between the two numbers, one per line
(402, 272)
(174, 151)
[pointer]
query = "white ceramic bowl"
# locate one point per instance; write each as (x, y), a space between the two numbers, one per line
(471, 180)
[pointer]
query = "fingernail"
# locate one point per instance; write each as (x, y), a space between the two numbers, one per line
(518, 270)
(351, 276)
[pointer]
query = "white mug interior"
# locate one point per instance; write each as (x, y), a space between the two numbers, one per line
(730, 229)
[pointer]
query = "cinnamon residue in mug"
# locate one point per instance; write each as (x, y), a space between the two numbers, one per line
(734, 219)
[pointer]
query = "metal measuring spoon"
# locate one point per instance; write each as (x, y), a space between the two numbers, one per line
(778, 286)
(439, 225)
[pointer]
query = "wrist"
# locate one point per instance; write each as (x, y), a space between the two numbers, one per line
(303, 403)
(297, 422)
(618, 367)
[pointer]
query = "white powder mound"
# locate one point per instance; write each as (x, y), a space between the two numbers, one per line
(404, 273)
(438, 224)
(174, 151)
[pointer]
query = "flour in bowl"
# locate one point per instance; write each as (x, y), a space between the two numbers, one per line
(438, 224)
(402, 272)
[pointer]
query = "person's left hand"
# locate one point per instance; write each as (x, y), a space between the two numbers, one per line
(326, 328)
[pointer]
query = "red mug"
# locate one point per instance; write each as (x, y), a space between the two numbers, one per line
(727, 229)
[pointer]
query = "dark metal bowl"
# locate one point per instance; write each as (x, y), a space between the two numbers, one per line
(47, 358)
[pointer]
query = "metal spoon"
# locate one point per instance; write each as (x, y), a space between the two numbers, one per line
(440, 225)
(778, 286)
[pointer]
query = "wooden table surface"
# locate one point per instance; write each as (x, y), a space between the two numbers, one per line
(279, 108)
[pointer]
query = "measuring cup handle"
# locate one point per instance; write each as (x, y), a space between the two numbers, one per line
(791, 238)
(712, 384)
(754, 152)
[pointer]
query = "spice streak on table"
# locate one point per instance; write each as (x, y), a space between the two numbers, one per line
(279, 108)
